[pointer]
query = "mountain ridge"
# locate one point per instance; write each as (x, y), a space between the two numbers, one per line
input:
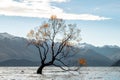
(15, 48)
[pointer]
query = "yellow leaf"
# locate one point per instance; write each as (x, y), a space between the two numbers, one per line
(31, 31)
(45, 25)
(53, 17)
(82, 61)
(45, 34)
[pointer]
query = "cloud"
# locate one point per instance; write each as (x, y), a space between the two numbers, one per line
(96, 9)
(41, 9)
(61, 1)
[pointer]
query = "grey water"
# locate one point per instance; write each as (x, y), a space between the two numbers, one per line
(55, 73)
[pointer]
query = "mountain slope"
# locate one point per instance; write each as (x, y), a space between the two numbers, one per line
(16, 48)
(112, 52)
(12, 47)
(93, 58)
(19, 62)
(116, 63)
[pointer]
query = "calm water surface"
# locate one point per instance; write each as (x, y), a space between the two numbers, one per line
(53, 73)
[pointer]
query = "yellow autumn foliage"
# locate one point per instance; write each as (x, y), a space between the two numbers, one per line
(31, 31)
(45, 25)
(45, 34)
(53, 17)
(82, 61)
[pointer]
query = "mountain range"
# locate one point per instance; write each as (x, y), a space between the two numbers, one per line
(14, 51)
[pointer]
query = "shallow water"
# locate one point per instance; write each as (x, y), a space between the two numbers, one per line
(53, 73)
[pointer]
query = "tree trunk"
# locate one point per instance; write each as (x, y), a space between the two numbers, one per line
(39, 71)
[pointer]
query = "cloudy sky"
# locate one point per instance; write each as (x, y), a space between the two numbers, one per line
(99, 20)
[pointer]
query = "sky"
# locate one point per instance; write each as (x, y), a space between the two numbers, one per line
(99, 20)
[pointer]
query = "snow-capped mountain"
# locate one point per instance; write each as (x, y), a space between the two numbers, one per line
(110, 51)
(85, 46)
(12, 47)
(6, 35)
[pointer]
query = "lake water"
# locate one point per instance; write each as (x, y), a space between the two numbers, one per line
(53, 73)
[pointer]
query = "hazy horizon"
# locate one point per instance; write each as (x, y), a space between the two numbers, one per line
(79, 42)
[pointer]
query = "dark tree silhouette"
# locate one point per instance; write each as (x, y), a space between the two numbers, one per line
(55, 42)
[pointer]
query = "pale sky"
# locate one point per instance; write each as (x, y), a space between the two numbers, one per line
(99, 20)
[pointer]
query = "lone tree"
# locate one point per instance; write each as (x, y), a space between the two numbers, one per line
(55, 42)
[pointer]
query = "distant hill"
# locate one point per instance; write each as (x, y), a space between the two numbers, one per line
(93, 58)
(110, 51)
(15, 48)
(15, 62)
(12, 47)
(116, 63)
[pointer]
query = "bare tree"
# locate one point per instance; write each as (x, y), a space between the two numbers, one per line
(55, 42)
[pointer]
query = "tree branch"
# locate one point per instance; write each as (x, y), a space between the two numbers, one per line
(67, 67)
(39, 51)
(61, 62)
(46, 50)
(62, 45)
